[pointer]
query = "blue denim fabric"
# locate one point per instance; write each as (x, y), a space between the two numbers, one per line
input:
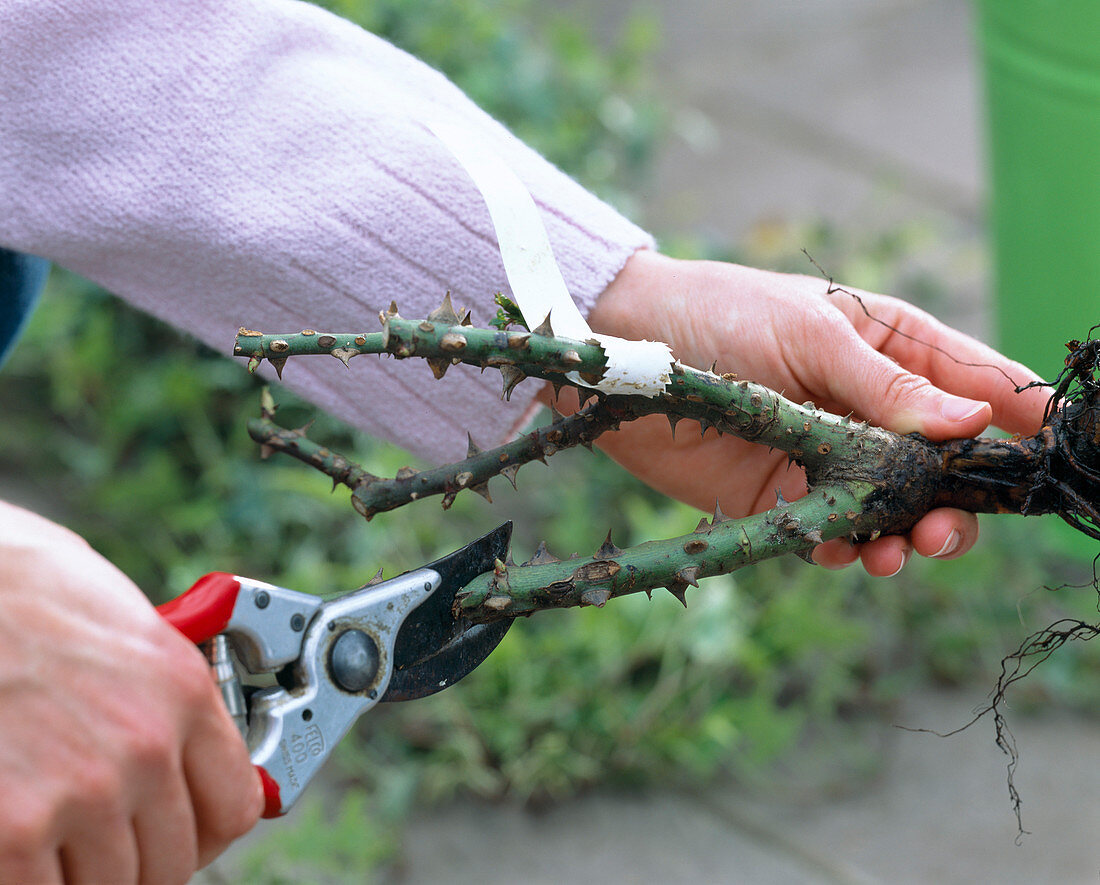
(21, 280)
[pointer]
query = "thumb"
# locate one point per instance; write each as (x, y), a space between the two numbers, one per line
(878, 389)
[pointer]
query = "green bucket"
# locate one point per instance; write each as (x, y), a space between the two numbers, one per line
(1042, 80)
(1042, 64)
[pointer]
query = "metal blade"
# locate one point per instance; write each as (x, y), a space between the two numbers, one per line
(433, 649)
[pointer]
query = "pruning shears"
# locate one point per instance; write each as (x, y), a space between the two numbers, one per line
(393, 640)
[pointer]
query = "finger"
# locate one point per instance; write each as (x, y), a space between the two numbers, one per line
(165, 832)
(950, 359)
(225, 790)
(883, 392)
(945, 533)
(836, 554)
(100, 849)
(885, 557)
(43, 867)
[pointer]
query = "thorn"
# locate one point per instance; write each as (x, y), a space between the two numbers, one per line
(679, 590)
(814, 537)
(703, 526)
(571, 358)
(377, 579)
(719, 516)
(304, 429)
(278, 362)
(472, 447)
(466, 320)
(344, 354)
(780, 501)
(608, 550)
(649, 595)
(704, 426)
(544, 328)
(542, 556)
(596, 596)
(689, 575)
(511, 376)
(266, 451)
(673, 420)
(445, 313)
(714, 367)
(557, 388)
(509, 473)
(482, 488)
(555, 415)
(805, 556)
(518, 340)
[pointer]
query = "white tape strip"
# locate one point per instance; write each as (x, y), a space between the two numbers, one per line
(633, 367)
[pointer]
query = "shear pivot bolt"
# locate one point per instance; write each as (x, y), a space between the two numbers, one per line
(353, 660)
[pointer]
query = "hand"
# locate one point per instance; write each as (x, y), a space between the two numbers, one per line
(118, 760)
(788, 333)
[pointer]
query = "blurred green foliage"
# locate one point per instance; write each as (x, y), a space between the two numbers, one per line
(135, 437)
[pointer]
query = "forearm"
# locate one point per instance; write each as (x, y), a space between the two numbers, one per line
(265, 163)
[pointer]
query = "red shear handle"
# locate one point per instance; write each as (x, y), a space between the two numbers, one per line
(203, 611)
(273, 803)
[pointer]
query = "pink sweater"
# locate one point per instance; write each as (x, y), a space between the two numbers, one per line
(262, 162)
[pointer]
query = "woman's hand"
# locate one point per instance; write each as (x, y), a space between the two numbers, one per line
(118, 760)
(790, 334)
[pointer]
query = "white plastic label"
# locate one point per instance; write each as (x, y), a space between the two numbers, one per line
(633, 367)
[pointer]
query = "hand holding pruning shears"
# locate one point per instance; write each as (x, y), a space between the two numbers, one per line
(392, 640)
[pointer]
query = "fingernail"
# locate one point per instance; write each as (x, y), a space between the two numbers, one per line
(904, 559)
(949, 546)
(955, 408)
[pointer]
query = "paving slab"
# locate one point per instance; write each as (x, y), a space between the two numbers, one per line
(828, 110)
(646, 838)
(939, 813)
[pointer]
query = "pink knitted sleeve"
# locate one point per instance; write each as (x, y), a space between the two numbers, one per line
(264, 163)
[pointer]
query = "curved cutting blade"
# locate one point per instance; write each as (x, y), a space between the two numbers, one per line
(433, 649)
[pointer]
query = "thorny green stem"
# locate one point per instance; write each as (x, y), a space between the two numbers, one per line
(714, 548)
(865, 481)
(372, 494)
